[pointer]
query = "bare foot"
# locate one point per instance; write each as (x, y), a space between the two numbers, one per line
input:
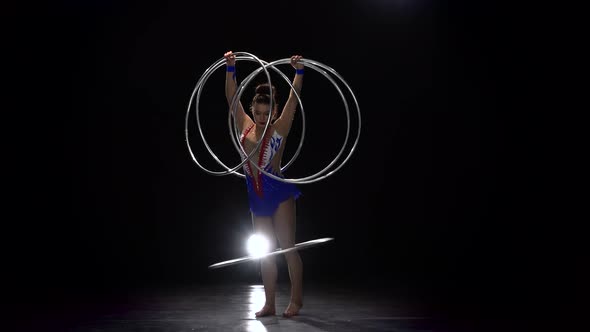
(266, 311)
(292, 310)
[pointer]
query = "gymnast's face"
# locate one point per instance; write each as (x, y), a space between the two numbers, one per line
(261, 113)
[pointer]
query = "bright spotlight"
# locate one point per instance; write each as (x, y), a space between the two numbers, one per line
(257, 245)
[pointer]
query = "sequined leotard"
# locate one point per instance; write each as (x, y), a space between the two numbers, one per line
(265, 193)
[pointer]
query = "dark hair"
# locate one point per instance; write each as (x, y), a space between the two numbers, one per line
(262, 94)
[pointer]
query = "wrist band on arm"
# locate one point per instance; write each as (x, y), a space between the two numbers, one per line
(231, 69)
(299, 71)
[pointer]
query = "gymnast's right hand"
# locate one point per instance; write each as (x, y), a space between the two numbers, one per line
(230, 58)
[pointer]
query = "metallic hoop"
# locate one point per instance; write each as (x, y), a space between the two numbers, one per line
(234, 105)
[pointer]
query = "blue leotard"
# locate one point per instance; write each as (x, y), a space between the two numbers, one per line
(265, 193)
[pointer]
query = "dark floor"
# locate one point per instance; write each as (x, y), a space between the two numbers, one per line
(231, 307)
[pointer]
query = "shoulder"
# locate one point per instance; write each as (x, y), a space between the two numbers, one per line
(247, 129)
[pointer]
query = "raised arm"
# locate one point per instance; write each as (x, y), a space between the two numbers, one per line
(242, 119)
(283, 123)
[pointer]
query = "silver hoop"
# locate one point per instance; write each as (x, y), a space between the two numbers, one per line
(198, 90)
(233, 109)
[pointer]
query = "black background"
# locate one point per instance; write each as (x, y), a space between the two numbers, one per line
(439, 201)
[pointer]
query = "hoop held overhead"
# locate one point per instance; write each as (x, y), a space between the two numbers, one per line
(317, 66)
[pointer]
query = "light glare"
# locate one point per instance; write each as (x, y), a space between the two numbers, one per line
(257, 245)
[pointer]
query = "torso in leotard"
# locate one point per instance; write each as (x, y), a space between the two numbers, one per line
(268, 156)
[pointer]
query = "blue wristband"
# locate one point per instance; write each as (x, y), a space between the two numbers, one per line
(231, 69)
(299, 71)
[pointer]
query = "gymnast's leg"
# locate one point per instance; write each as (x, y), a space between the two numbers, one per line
(284, 224)
(268, 266)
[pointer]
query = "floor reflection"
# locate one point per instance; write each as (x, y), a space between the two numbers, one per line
(255, 326)
(256, 299)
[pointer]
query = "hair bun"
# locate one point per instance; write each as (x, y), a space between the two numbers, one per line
(264, 89)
